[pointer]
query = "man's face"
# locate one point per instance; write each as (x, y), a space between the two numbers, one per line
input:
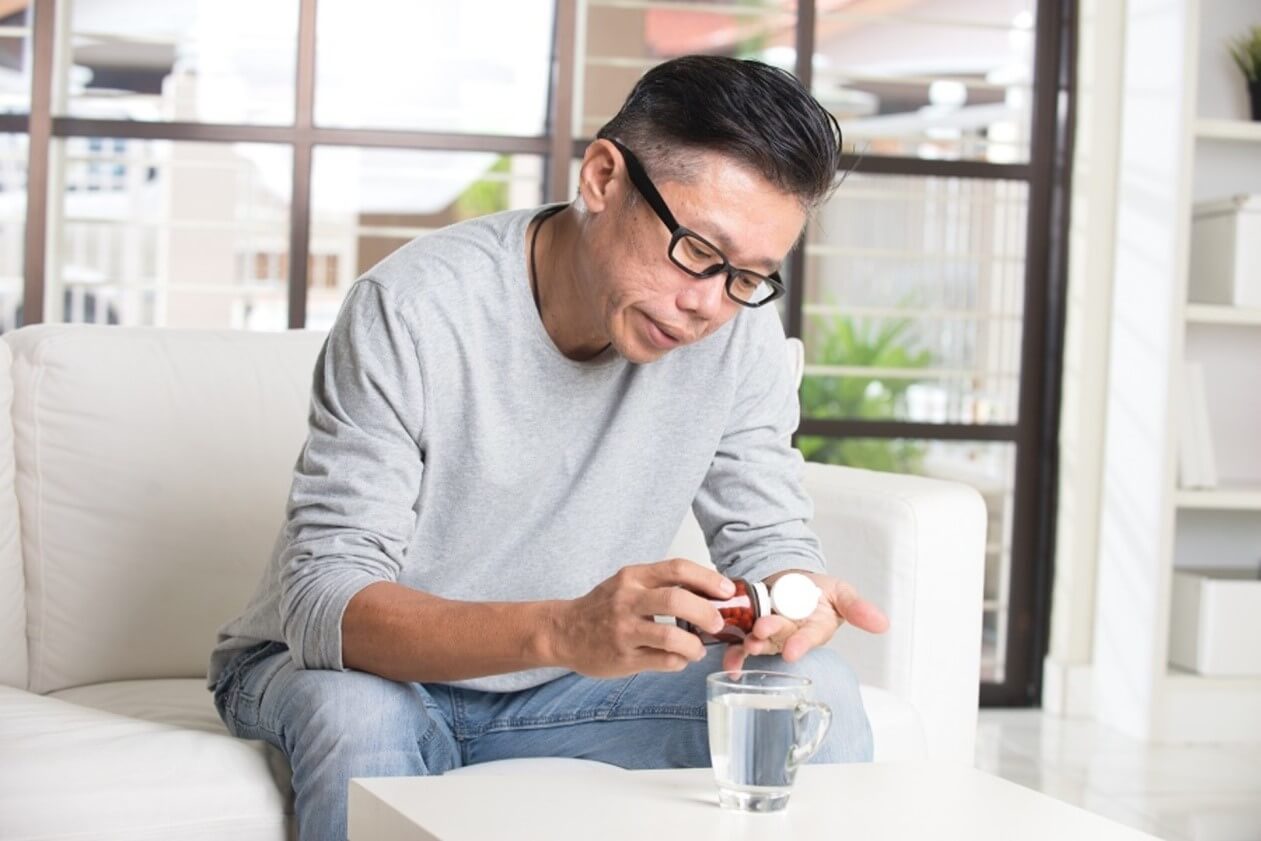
(647, 304)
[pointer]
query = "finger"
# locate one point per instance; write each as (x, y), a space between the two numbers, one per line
(733, 658)
(681, 604)
(670, 639)
(680, 572)
(773, 626)
(810, 635)
(760, 648)
(653, 660)
(863, 614)
(857, 611)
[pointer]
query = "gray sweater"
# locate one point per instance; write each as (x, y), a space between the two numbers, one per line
(453, 449)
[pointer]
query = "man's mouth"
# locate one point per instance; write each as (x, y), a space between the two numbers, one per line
(663, 337)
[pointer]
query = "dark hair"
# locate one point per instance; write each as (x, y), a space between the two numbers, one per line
(756, 114)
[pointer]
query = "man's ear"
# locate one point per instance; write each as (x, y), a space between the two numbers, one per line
(598, 183)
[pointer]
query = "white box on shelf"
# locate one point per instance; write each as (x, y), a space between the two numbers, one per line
(1226, 252)
(1215, 622)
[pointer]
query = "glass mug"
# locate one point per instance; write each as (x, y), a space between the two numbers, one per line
(759, 736)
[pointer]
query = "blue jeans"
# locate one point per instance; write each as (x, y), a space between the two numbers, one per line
(333, 725)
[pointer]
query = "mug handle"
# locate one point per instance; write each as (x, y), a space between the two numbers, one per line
(802, 752)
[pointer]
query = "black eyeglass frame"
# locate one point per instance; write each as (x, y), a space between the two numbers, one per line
(639, 177)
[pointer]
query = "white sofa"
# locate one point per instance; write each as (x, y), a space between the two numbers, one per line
(143, 478)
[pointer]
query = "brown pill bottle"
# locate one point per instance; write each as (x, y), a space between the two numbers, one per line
(750, 603)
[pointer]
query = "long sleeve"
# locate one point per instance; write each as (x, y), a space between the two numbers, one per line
(353, 504)
(751, 505)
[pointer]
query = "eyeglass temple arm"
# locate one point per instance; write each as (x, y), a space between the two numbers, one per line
(645, 186)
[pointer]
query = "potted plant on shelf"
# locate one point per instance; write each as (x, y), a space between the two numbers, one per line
(1247, 54)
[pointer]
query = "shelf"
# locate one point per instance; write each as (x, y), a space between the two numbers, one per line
(1198, 709)
(1240, 130)
(1227, 498)
(1179, 675)
(1222, 314)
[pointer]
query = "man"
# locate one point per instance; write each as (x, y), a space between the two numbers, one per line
(509, 420)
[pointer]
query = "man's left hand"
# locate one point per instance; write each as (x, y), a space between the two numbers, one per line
(773, 634)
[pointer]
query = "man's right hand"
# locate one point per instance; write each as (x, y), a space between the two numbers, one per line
(610, 632)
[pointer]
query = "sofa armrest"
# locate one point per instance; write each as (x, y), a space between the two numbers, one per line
(915, 547)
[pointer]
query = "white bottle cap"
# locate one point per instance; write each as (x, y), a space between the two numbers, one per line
(795, 597)
(762, 598)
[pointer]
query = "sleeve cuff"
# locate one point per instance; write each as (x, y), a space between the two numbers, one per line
(314, 634)
(759, 569)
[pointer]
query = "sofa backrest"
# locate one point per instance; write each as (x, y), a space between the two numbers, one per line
(12, 583)
(153, 466)
(152, 470)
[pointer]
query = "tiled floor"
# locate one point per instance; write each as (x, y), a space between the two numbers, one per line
(1175, 792)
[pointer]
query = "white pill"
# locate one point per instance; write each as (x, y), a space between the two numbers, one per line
(793, 596)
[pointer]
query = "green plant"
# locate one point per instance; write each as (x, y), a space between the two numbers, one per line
(485, 195)
(864, 343)
(1246, 52)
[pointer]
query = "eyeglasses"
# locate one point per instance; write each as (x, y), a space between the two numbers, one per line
(696, 255)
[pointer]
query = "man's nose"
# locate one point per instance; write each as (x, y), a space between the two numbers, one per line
(704, 296)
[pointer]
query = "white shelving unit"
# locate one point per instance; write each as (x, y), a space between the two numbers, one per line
(1217, 314)
(1213, 129)
(1222, 498)
(1185, 138)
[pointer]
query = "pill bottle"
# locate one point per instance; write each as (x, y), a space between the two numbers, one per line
(793, 596)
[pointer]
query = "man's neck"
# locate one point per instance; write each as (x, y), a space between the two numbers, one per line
(566, 309)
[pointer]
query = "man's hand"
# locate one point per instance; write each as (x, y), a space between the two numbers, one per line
(610, 632)
(774, 634)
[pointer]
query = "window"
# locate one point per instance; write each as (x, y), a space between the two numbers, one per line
(12, 227)
(214, 61)
(430, 60)
(366, 203)
(148, 232)
(936, 80)
(15, 58)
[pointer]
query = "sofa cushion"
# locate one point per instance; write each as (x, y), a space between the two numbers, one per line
(152, 472)
(91, 769)
(896, 727)
(12, 586)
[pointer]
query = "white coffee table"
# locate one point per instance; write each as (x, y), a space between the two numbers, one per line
(896, 800)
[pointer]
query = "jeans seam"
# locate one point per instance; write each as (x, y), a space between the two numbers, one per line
(501, 725)
(458, 719)
(608, 708)
(430, 733)
(670, 711)
(694, 712)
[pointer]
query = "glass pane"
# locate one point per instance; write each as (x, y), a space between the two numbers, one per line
(988, 466)
(169, 234)
(12, 227)
(214, 61)
(366, 203)
(993, 646)
(479, 67)
(620, 39)
(914, 300)
(936, 79)
(15, 58)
